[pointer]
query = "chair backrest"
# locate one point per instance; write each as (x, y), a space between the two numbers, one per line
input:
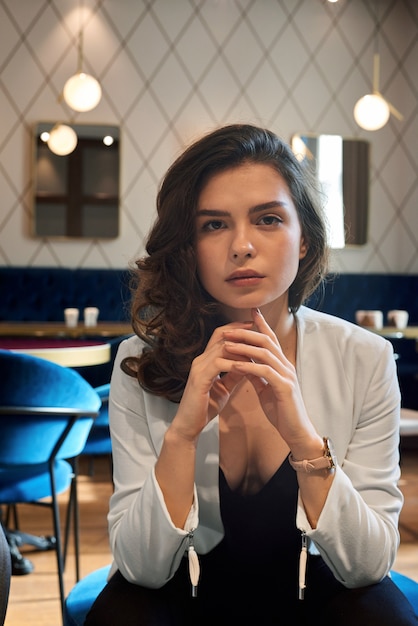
(5, 575)
(103, 418)
(45, 408)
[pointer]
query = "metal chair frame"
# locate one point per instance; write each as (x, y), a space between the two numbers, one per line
(73, 414)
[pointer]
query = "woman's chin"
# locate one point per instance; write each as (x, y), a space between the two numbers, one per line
(237, 315)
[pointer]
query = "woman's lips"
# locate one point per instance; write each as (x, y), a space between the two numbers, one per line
(244, 279)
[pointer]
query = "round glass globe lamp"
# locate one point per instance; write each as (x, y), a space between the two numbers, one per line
(371, 112)
(82, 92)
(62, 140)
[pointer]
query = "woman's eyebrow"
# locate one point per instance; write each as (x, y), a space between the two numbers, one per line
(273, 204)
(211, 213)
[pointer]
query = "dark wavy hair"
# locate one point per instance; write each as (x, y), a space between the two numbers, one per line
(170, 311)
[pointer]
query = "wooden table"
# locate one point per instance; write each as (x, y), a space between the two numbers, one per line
(390, 332)
(66, 352)
(59, 329)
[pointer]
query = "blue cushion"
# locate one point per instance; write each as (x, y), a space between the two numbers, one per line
(31, 382)
(27, 484)
(98, 441)
(99, 444)
(82, 596)
(408, 586)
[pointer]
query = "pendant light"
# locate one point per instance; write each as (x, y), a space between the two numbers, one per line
(62, 140)
(82, 92)
(372, 111)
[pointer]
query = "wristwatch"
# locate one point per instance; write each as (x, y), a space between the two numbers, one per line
(327, 461)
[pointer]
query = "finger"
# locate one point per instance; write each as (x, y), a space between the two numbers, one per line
(259, 383)
(256, 372)
(269, 355)
(261, 335)
(261, 324)
(249, 338)
(231, 379)
(218, 333)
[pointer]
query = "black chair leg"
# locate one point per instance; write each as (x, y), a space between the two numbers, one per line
(69, 516)
(57, 534)
(76, 520)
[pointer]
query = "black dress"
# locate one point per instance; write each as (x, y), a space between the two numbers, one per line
(251, 577)
(254, 570)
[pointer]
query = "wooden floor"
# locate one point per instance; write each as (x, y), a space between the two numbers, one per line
(34, 598)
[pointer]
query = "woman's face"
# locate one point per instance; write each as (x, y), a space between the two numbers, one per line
(249, 240)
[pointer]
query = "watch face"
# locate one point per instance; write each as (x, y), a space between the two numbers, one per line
(330, 452)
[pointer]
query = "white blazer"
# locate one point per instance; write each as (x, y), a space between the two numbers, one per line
(350, 388)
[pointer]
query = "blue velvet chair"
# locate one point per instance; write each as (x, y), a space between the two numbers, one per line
(98, 442)
(46, 414)
(408, 586)
(83, 594)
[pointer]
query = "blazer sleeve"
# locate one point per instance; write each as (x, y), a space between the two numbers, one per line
(147, 548)
(357, 532)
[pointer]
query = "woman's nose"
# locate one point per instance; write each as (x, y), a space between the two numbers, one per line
(242, 246)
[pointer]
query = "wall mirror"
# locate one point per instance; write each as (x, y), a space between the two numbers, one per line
(342, 168)
(76, 195)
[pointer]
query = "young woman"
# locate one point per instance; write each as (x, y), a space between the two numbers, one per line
(255, 441)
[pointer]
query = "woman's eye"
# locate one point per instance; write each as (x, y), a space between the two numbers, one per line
(270, 220)
(213, 225)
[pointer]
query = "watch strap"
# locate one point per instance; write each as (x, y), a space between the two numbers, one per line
(326, 461)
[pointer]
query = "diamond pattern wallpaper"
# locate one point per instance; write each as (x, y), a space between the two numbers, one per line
(171, 70)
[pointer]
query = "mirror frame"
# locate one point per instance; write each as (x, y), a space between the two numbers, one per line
(77, 196)
(352, 184)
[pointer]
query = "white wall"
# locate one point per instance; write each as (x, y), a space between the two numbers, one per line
(172, 69)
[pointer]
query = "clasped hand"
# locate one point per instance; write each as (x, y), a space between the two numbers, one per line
(243, 350)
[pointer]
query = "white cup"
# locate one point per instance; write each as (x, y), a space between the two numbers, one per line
(370, 319)
(91, 313)
(398, 318)
(71, 317)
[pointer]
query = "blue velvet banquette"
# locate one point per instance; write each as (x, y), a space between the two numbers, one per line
(42, 293)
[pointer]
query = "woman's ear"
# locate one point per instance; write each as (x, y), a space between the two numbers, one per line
(303, 248)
